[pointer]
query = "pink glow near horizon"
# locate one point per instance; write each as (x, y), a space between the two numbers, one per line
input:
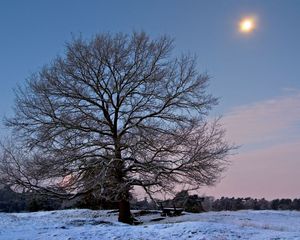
(268, 163)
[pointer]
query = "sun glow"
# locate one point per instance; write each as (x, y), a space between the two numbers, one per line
(247, 25)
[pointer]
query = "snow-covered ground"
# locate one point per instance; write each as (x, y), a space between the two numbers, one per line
(101, 225)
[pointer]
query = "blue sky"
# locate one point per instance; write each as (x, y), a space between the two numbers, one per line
(249, 73)
(243, 69)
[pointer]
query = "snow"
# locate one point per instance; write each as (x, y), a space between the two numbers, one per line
(88, 224)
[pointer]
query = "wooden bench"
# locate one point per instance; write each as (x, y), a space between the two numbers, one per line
(171, 212)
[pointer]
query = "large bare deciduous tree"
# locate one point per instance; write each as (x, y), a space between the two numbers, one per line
(115, 112)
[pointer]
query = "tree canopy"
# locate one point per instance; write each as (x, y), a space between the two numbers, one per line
(115, 112)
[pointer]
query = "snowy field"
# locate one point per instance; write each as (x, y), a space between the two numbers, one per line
(101, 225)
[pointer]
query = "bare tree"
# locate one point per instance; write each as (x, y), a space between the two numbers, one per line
(115, 112)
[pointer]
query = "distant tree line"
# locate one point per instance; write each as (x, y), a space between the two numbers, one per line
(31, 201)
(195, 203)
(11, 201)
(233, 204)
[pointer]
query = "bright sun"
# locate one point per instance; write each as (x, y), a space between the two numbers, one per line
(247, 25)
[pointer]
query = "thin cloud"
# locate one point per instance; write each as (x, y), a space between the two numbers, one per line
(268, 163)
(267, 121)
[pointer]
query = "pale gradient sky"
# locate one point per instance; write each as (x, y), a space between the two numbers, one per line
(257, 76)
(267, 164)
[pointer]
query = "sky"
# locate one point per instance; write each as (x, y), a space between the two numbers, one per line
(256, 76)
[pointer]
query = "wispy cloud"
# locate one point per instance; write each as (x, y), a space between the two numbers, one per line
(268, 163)
(267, 121)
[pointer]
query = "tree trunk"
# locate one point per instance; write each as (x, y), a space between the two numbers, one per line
(124, 205)
(124, 212)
